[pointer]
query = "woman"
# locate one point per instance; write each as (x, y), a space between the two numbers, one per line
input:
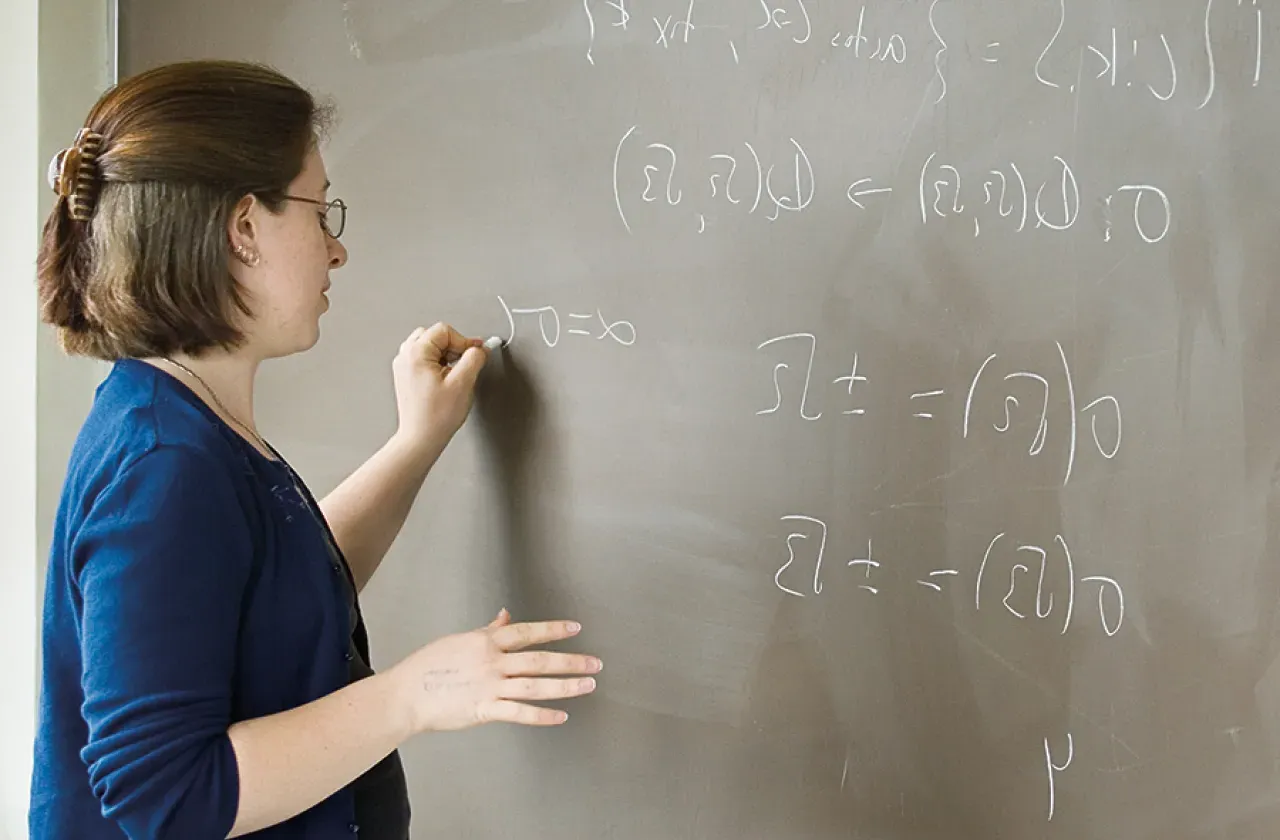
(205, 666)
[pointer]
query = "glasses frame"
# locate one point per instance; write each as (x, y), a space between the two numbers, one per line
(329, 205)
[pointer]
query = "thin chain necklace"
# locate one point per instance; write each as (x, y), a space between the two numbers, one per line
(293, 476)
(266, 446)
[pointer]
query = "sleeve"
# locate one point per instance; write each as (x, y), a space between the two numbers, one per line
(162, 560)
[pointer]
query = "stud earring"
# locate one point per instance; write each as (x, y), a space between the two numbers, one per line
(249, 258)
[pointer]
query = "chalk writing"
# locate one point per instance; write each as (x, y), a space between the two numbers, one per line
(1054, 205)
(741, 179)
(780, 18)
(1110, 618)
(1146, 62)
(624, 17)
(733, 178)
(1055, 768)
(1139, 192)
(551, 326)
(854, 193)
(796, 387)
(671, 29)
(1208, 46)
(1013, 590)
(925, 395)
(937, 573)
(1108, 59)
(791, 554)
(1103, 405)
(867, 564)
(812, 343)
(937, 56)
(941, 195)
(893, 48)
(827, 102)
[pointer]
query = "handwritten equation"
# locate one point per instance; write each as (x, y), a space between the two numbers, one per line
(663, 180)
(1022, 593)
(1112, 58)
(590, 325)
(1061, 204)
(741, 180)
(1020, 578)
(922, 403)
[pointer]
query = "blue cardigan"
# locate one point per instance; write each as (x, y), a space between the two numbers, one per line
(188, 588)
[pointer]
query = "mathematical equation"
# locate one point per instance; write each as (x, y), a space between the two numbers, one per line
(741, 181)
(922, 402)
(1110, 593)
(592, 325)
(1112, 58)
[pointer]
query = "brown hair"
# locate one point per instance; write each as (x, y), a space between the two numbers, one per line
(133, 261)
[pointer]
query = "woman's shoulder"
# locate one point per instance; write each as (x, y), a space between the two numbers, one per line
(151, 467)
(142, 418)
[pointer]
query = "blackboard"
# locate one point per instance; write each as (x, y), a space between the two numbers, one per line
(891, 392)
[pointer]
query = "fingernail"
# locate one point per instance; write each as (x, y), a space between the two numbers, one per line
(574, 627)
(564, 716)
(597, 665)
(588, 684)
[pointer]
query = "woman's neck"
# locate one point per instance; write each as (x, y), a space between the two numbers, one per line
(224, 381)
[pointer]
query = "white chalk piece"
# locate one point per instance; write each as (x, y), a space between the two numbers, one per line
(492, 343)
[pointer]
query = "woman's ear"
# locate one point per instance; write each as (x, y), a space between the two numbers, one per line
(242, 230)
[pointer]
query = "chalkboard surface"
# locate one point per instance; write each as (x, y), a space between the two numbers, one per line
(892, 392)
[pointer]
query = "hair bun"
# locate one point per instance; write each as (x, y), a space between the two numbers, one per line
(73, 174)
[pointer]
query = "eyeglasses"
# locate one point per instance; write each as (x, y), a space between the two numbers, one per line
(334, 217)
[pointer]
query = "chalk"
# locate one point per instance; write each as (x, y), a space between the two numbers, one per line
(492, 343)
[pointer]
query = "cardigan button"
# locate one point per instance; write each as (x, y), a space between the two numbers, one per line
(353, 828)
(347, 656)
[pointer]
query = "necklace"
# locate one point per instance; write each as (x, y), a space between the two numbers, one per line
(293, 476)
(265, 446)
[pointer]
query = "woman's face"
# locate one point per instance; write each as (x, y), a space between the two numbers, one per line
(286, 288)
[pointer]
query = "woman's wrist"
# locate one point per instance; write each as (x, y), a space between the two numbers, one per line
(421, 448)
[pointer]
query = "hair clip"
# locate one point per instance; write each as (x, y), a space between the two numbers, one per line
(73, 174)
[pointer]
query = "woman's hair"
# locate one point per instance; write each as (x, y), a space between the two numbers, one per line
(133, 260)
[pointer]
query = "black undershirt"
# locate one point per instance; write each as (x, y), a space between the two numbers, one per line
(382, 792)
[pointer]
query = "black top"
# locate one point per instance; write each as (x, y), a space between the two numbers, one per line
(382, 792)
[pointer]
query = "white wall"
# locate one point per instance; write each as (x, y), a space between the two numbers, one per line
(54, 62)
(18, 103)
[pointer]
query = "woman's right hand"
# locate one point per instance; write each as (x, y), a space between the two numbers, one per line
(486, 676)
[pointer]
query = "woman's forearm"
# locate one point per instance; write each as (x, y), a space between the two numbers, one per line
(294, 759)
(368, 509)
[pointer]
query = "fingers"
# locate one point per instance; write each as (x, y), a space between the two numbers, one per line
(442, 343)
(547, 662)
(507, 711)
(517, 636)
(504, 617)
(467, 370)
(525, 688)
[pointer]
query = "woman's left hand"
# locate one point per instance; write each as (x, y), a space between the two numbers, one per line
(435, 378)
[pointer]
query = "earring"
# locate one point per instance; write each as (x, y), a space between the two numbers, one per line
(249, 258)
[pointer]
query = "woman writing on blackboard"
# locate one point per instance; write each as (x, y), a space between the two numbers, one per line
(205, 665)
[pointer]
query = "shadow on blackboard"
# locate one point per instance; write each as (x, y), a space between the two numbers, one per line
(511, 416)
